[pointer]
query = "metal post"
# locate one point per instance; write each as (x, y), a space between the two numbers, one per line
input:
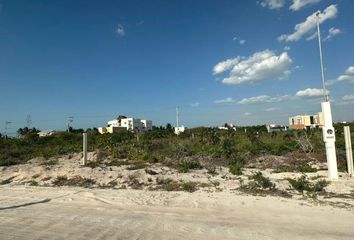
(348, 149)
(177, 117)
(329, 140)
(84, 149)
(325, 95)
(327, 130)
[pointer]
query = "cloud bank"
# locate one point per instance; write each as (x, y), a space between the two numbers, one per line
(264, 65)
(298, 4)
(309, 24)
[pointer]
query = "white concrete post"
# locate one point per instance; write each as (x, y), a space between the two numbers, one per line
(329, 140)
(348, 149)
(84, 149)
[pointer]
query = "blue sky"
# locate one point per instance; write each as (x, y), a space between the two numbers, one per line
(243, 62)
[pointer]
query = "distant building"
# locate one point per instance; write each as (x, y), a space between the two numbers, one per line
(179, 130)
(306, 121)
(276, 128)
(228, 126)
(46, 133)
(122, 123)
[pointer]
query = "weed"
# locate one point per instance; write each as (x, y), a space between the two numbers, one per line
(260, 185)
(137, 165)
(94, 164)
(6, 181)
(117, 163)
(150, 171)
(302, 184)
(50, 162)
(189, 186)
(75, 181)
(262, 182)
(186, 165)
(235, 169)
(212, 170)
(33, 183)
(46, 178)
(235, 166)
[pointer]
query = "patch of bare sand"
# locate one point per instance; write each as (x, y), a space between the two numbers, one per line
(79, 213)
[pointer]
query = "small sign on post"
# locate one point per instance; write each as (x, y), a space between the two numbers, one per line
(84, 149)
(348, 149)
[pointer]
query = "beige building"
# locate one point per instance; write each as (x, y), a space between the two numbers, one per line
(122, 123)
(306, 121)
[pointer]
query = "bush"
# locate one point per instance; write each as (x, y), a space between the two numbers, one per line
(235, 170)
(186, 165)
(262, 182)
(189, 186)
(75, 181)
(303, 184)
(235, 166)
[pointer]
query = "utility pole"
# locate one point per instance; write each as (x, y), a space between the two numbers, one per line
(7, 123)
(29, 121)
(84, 149)
(328, 129)
(177, 116)
(70, 122)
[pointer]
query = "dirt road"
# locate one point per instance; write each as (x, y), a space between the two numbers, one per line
(77, 213)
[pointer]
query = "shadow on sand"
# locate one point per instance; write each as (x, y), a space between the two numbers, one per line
(25, 204)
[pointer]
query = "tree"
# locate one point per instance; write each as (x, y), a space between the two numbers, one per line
(24, 131)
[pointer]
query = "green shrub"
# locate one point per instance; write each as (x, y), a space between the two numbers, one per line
(75, 181)
(189, 186)
(262, 182)
(186, 165)
(235, 166)
(302, 184)
(235, 169)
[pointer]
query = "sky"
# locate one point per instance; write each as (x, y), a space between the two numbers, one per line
(242, 62)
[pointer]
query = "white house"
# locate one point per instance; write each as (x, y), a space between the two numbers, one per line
(179, 130)
(124, 123)
(46, 133)
(228, 127)
(276, 128)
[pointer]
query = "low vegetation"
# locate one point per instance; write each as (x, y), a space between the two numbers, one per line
(302, 184)
(194, 149)
(261, 185)
(74, 181)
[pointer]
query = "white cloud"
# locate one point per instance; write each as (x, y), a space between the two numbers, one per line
(286, 48)
(247, 113)
(348, 97)
(347, 76)
(273, 4)
(242, 41)
(298, 4)
(350, 70)
(332, 32)
(312, 36)
(120, 30)
(272, 109)
(195, 104)
(225, 100)
(263, 99)
(309, 24)
(264, 65)
(310, 93)
(225, 65)
(234, 38)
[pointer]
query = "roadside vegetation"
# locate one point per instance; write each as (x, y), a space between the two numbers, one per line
(194, 149)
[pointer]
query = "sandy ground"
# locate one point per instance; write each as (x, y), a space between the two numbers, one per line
(79, 213)
(137, 204)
